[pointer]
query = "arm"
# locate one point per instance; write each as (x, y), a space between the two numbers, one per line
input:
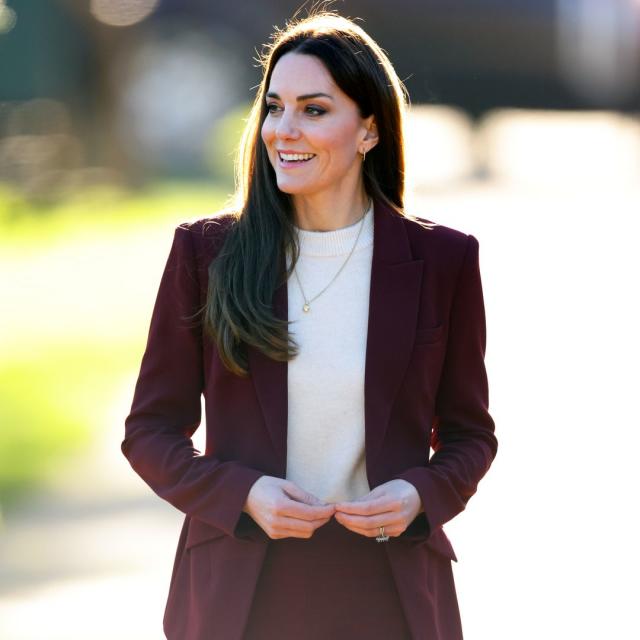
(463, 437)
(166, 407)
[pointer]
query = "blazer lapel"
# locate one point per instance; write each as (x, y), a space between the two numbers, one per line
(393, 311)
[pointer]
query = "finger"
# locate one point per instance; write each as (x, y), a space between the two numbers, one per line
(375, 532)
(372, 523)
(289, 527)
(300, 495)
(290, 533)
(298, 524)
(302, 511)
(371, 507)
(365, 522)
(304, 504)
(368, 533)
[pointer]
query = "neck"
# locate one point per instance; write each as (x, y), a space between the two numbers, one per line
(318, 213)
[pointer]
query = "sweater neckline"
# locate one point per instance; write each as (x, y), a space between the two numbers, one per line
(337, 241)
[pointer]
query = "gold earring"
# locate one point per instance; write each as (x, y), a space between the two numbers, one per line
(364, 154)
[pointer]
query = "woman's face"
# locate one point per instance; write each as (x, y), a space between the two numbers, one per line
(309, 114)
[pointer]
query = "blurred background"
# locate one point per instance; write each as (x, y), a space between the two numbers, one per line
(119, 120)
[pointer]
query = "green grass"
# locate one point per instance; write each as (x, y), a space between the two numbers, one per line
(54, 395)
(51, 403)
(103, 210)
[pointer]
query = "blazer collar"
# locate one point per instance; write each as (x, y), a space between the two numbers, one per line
(393, 310)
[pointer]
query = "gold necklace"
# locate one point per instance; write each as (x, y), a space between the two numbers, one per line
(306, 307)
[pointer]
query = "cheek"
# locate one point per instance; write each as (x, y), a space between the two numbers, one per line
(341, 143)
(266, 132)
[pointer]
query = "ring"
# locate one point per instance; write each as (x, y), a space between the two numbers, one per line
(382, 537)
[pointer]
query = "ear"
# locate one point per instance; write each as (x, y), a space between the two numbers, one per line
(371, 134)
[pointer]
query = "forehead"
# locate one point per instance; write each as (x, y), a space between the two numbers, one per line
(301, 73)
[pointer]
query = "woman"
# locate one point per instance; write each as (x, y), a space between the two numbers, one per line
(334, 338)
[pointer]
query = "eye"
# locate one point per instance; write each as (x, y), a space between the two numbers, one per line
(272, 104)
(318, 110)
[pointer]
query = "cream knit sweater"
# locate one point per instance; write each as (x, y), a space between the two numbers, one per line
(325, 439)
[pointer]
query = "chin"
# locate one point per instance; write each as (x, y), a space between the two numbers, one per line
(292, 189)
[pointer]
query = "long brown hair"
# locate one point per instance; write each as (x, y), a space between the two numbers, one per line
(251, 263)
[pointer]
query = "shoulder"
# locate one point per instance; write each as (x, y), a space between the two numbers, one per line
(196, 242)
(435, 241)
(212, 227)
(206, 234)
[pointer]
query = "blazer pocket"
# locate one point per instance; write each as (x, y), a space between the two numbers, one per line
(429, 335)
(200, 532)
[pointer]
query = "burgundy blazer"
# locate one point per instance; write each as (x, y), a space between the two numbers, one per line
(425, 386)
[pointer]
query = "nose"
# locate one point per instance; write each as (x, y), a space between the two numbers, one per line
(286, 127)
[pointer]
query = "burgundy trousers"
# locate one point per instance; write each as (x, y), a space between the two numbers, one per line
(336, 584)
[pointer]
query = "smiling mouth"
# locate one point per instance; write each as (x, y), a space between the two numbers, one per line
(295, 159)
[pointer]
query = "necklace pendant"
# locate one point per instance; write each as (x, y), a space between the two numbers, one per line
(306, 307)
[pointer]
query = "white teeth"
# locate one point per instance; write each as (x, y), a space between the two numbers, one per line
(292, 157)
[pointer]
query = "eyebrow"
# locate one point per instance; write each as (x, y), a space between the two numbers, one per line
(306, 96)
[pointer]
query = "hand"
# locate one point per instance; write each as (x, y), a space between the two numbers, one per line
(392, 505)
(283, 509)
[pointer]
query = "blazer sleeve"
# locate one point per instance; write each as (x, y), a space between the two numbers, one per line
(166, 408)
(463, 438)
